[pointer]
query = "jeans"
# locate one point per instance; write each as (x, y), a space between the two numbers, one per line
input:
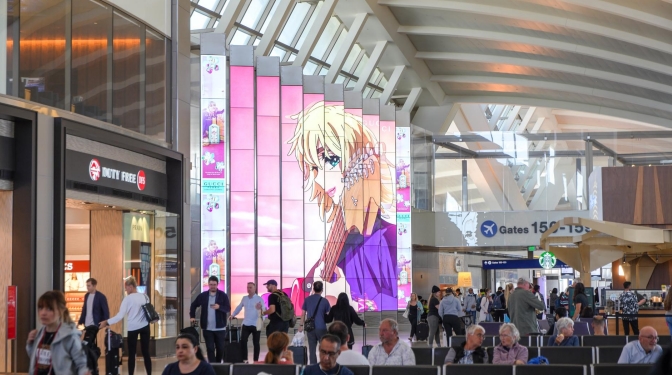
(133, 348)
(247, 331)
(277, 326)
(214, 340)
(414, 325)
(313, 338)
(634, 324)
(668, 320)
(452, 323)
(434, 331)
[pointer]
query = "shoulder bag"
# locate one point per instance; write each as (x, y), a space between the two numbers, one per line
(150, 313)
(309, 324)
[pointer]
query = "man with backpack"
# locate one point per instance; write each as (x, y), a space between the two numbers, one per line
(280, 310)
(498, 305)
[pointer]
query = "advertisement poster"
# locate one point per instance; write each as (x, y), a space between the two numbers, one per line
(214, 119)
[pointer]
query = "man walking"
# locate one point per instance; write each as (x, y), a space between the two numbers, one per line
(253, 304)
(522, 305)
(95, 305)
(630, 303)
(274, 312)
(214, 306)
(470, 305)
(314, 309)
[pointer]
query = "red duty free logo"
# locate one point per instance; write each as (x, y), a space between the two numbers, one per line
(97, 171)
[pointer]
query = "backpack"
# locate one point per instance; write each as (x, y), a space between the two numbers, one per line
(557, 302)
(538, 361)
(286, 309)
(478, 304)
(497, 302)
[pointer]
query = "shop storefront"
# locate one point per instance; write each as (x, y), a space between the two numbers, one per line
(119, 215)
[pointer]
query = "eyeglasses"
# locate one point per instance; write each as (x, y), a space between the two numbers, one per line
(650, 337)
(328, 354)
(479, 335)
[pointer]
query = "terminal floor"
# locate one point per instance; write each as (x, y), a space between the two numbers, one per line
(159, 363)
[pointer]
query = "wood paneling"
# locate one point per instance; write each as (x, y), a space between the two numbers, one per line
(5, 264)
(636, 195)
(107, 259)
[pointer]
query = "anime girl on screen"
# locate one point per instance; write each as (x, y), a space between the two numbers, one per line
(346, 172)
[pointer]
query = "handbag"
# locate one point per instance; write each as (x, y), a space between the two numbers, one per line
(406, 313)
(150, 313)
(309, 325)
(506, 318)
(260, 322)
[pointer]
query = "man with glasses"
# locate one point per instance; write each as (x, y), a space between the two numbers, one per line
(330, 349)
(470, 351)
(645, 350)
(391, 351)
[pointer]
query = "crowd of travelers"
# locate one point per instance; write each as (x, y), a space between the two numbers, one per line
(56, 347)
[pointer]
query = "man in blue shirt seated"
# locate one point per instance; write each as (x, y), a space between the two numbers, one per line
(330, 349)
(645, 350)
(253, 304)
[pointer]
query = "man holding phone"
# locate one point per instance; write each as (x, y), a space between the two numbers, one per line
(215, 307)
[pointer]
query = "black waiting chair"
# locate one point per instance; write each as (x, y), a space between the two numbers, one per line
(478, 369)
(581, 328)
(360, 370)
(269, 369)
(551, 370)
(440, 355)
(532, 352)
(456, 340)
(423, 356)
(404, 370)
(491, 329)
(568, 355)
(608, 354)
(221, 369)
(620, 369)
(491, 353)
(603, 341)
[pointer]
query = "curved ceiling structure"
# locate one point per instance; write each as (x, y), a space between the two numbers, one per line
(611, 57)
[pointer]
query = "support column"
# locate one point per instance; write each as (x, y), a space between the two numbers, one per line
(589, 170)
(465, 187)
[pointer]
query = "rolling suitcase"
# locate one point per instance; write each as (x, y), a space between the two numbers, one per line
(366, 348)
(300, 354)
(232, 333)
(422, 332)
(113, 353)
(193, 330)
(233, 353)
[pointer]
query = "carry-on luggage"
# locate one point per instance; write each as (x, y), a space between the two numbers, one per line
(300, 354)
(193, 330)
(422, 332)
(366, 348)
(232, 333)
(113, 346)
(233, 353)
(91, 349)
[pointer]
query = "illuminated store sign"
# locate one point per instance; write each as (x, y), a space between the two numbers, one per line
(96, 172)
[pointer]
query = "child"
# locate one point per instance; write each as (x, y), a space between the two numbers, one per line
(299, 337)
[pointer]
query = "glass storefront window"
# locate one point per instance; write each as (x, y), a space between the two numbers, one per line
(156, 74)
(42, 52)
(91, 29)
(127, 35)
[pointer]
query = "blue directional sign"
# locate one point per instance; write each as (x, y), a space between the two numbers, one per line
(512, 264)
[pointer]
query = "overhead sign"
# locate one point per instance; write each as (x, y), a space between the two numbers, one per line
(95, 170)
(11, 312)
(521, 264)
(77, 266)
(547, 260)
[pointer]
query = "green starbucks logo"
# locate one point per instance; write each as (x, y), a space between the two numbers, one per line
(547, 260)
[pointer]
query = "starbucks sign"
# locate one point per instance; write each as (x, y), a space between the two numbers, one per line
(547, 260)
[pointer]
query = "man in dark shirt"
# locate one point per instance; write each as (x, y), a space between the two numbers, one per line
(330, 349)
(315, 307)
(275, 322)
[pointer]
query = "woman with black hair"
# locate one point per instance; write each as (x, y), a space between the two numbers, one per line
(582, 308)
(553, 297)
(190, 360)
(343, 312)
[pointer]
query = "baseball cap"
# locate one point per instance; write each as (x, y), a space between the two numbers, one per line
(271, 282)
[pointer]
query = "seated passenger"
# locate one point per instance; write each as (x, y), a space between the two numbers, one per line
(566, 336)
(391, 351)
(277, 343)
(190, 359)
(509, 351)
(645, 350)
(347, 357)
(470, 351)
(329, 349)
(598, 324)
(560, 313)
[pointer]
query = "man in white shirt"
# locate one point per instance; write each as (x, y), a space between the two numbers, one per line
(644, 350)
(391, 351)
(348, 357)
(253, 305)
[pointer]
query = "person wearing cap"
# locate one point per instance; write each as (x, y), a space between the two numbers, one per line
(275, 323)
(215, 306)
(522, 305)
(449, 310)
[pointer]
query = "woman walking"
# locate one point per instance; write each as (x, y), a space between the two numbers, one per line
(433, 318)
(56, 348)
(137, 324)
(414, 308)
(343, 312)
(486, 300)
(554, 297)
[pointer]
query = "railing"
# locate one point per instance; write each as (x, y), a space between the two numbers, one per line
(619, 315)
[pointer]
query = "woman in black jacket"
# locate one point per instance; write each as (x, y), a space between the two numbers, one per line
(343, 312)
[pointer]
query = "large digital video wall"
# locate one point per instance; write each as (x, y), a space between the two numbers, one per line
(316, 185)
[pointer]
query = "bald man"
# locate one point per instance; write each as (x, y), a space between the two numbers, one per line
(644, 350)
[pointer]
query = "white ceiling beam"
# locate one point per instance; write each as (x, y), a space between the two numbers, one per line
(392, 84)
(546, 85)
(346, 47)
(321, 20)
(625, 12)
(412, 99)
(231, 14)
(530, 62)
(502, 37)
(526, 15)
(527, 118)
(406, 47)
(371, 65)
(274, 28)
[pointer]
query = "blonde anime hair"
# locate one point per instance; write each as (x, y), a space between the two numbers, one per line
(344, 135)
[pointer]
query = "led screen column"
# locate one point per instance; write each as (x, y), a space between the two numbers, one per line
(213, 168)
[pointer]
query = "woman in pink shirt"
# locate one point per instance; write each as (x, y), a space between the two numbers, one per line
(509, 351)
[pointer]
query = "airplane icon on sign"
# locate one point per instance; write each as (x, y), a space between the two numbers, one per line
(488, 228)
